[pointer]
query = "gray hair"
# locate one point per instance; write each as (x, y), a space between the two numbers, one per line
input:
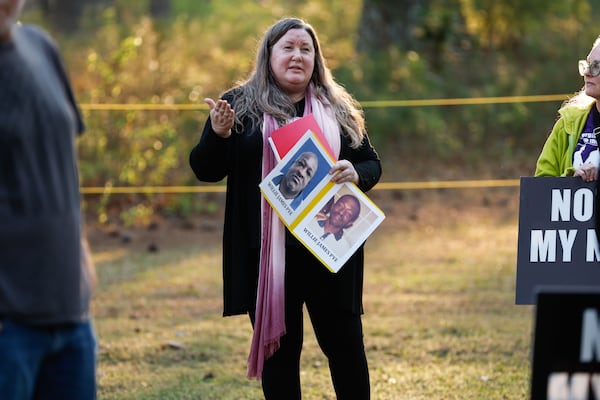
(260, 93)
(581, 99)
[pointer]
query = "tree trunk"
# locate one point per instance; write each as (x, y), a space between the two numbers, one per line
(160, 8)
(63, 15)
(389, 23)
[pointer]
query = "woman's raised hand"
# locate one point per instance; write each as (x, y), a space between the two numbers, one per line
(221, 116)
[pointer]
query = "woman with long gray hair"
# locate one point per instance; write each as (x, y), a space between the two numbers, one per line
(267, 272)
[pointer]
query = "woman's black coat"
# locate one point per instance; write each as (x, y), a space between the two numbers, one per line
(239, 159)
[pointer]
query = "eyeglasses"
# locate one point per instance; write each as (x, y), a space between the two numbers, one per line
(586, 68)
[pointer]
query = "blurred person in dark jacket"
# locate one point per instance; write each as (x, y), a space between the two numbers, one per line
(47, 345)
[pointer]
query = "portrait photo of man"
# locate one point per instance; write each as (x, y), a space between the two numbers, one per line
(294, 180)
(338, 215)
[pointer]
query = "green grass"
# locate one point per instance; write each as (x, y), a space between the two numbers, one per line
(440, 319)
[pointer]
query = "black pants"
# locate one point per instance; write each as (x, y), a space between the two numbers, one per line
(338, 332)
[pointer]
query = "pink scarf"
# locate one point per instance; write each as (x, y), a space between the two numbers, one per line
(269, 325)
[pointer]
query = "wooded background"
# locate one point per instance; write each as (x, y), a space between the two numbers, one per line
(176, 52)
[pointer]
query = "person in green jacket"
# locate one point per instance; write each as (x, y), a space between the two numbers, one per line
(571, 149)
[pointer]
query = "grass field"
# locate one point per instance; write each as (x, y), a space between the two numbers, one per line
(440, 319)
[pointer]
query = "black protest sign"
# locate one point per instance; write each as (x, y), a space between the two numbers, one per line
(566, 355)
(558, 241)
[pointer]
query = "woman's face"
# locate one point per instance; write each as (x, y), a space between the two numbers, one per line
(293, 61)
(592, 83)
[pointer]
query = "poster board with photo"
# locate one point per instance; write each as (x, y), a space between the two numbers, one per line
(335, 248)
(330, 229)
(290, 208)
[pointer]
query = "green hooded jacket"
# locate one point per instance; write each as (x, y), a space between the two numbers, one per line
(556, 158)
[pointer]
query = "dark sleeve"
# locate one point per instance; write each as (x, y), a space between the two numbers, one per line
(70, 95)
(208, 158)
(365, 160)
(73, 102)
(53, 52)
